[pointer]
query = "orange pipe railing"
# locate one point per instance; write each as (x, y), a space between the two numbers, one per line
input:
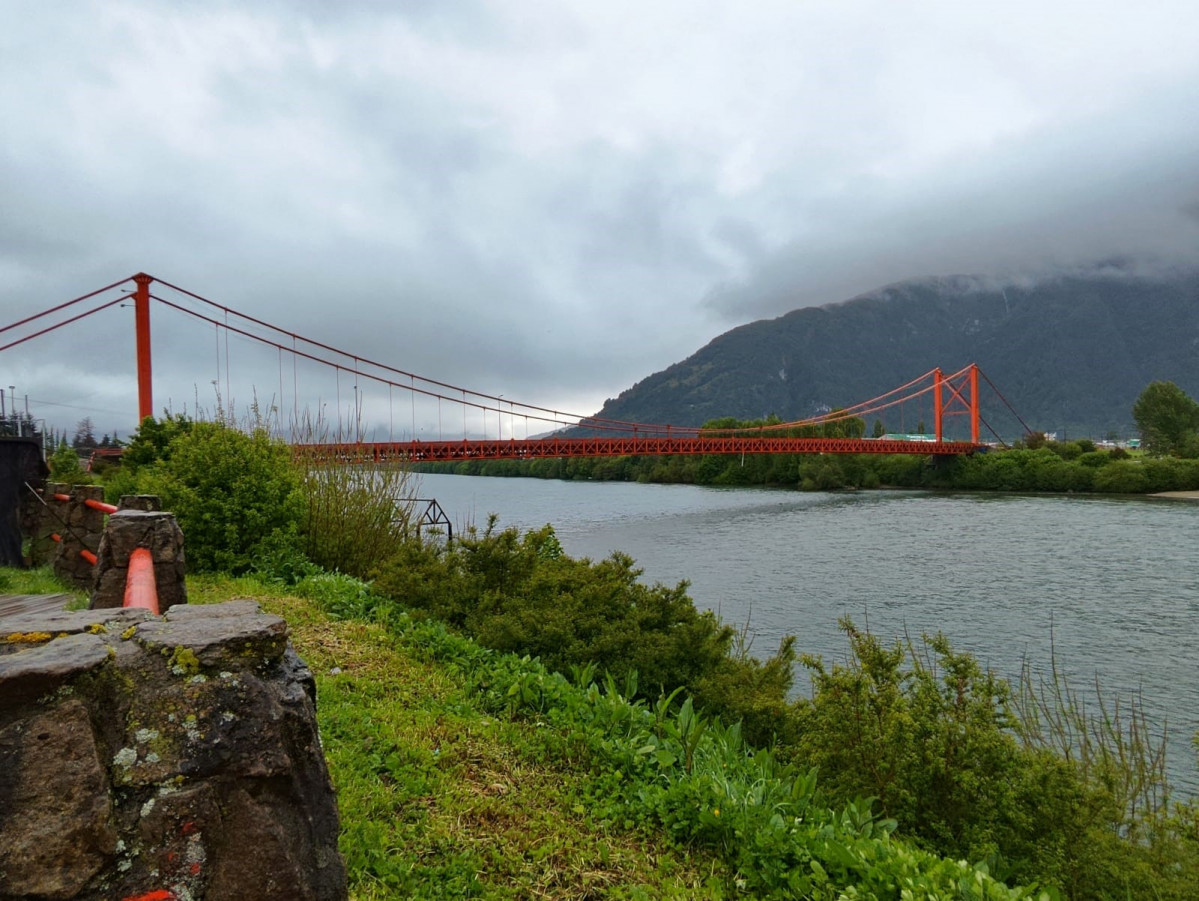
(140, 588)
(94, 504)
(84, 552)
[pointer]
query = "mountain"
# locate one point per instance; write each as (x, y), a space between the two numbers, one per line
(1070, 353)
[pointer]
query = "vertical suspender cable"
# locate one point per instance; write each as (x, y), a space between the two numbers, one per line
(279, 406)
(228, 384)
(295, 386)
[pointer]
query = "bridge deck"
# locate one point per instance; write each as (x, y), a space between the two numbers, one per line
(537, 448)
(18, 604)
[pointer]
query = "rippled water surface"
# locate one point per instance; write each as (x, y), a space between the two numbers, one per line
(1113, 584)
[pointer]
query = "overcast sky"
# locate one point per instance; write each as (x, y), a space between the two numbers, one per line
(551, 200)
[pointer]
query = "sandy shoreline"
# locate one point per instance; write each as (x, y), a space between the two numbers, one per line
(1179, 495)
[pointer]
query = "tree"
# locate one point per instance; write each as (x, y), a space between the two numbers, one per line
(85, 435)
(879, 430)
(1168, 419)
(152, 440)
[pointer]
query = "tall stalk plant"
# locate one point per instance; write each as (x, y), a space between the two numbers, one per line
(1110, 741)
(356, 514)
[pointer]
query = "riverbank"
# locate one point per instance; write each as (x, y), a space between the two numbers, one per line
(461, 772)
(1178, 495)
(1073, 467)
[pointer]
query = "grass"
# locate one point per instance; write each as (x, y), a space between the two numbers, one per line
(441, 799)
(39, 581)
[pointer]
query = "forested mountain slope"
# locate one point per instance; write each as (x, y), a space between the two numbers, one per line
(1070, 353)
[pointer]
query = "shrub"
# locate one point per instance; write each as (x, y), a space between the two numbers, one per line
(355, 513)
(151, 443)
(521, 593)
(230, 491)
(65, 467)
(1121, 477)
(927, 739)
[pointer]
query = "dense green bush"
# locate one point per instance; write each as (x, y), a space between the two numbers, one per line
(231, 492)
(1043, 790)
(1122, 477)
(927, 733)
(151, 443)
(65, 467)
(521, 593)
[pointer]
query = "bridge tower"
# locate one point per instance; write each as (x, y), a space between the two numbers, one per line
(141, 312)
(962, 389)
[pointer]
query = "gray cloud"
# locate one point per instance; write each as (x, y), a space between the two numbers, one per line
(549, 201)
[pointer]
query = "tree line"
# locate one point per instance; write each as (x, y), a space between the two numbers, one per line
(1167, 418)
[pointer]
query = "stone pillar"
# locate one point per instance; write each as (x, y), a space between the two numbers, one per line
(42, 548)
(82, 530)
(148, 502)
(128, 530)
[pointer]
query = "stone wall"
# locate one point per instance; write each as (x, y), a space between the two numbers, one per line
(171, 757)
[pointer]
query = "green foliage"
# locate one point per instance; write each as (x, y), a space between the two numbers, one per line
(927, 737)
(152, 441)
(1029, 780)
(1129, 834)
(1167, 418)
(355, 514)
(657, 768)
(230, 491)
(65, 467)
(280, 558)
(520, 593)
(1122, 477)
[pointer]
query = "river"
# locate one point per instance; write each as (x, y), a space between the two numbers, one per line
(1110, 584)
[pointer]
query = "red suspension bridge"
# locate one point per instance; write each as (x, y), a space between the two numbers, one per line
(950, 395)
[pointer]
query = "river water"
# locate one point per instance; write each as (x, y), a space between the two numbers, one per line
(1111, 585)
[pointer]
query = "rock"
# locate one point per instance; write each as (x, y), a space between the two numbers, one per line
(70, 622)
(56, 827)
(43, 667)
(179, 754)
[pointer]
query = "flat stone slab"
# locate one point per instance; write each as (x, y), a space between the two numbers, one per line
(43, 665)
(221, 635)
(70, 622)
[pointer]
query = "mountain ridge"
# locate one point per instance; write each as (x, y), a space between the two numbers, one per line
(1071, 352)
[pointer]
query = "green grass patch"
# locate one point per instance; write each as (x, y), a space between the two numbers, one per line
(465, 772)
(40, 580)
(439, 798)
